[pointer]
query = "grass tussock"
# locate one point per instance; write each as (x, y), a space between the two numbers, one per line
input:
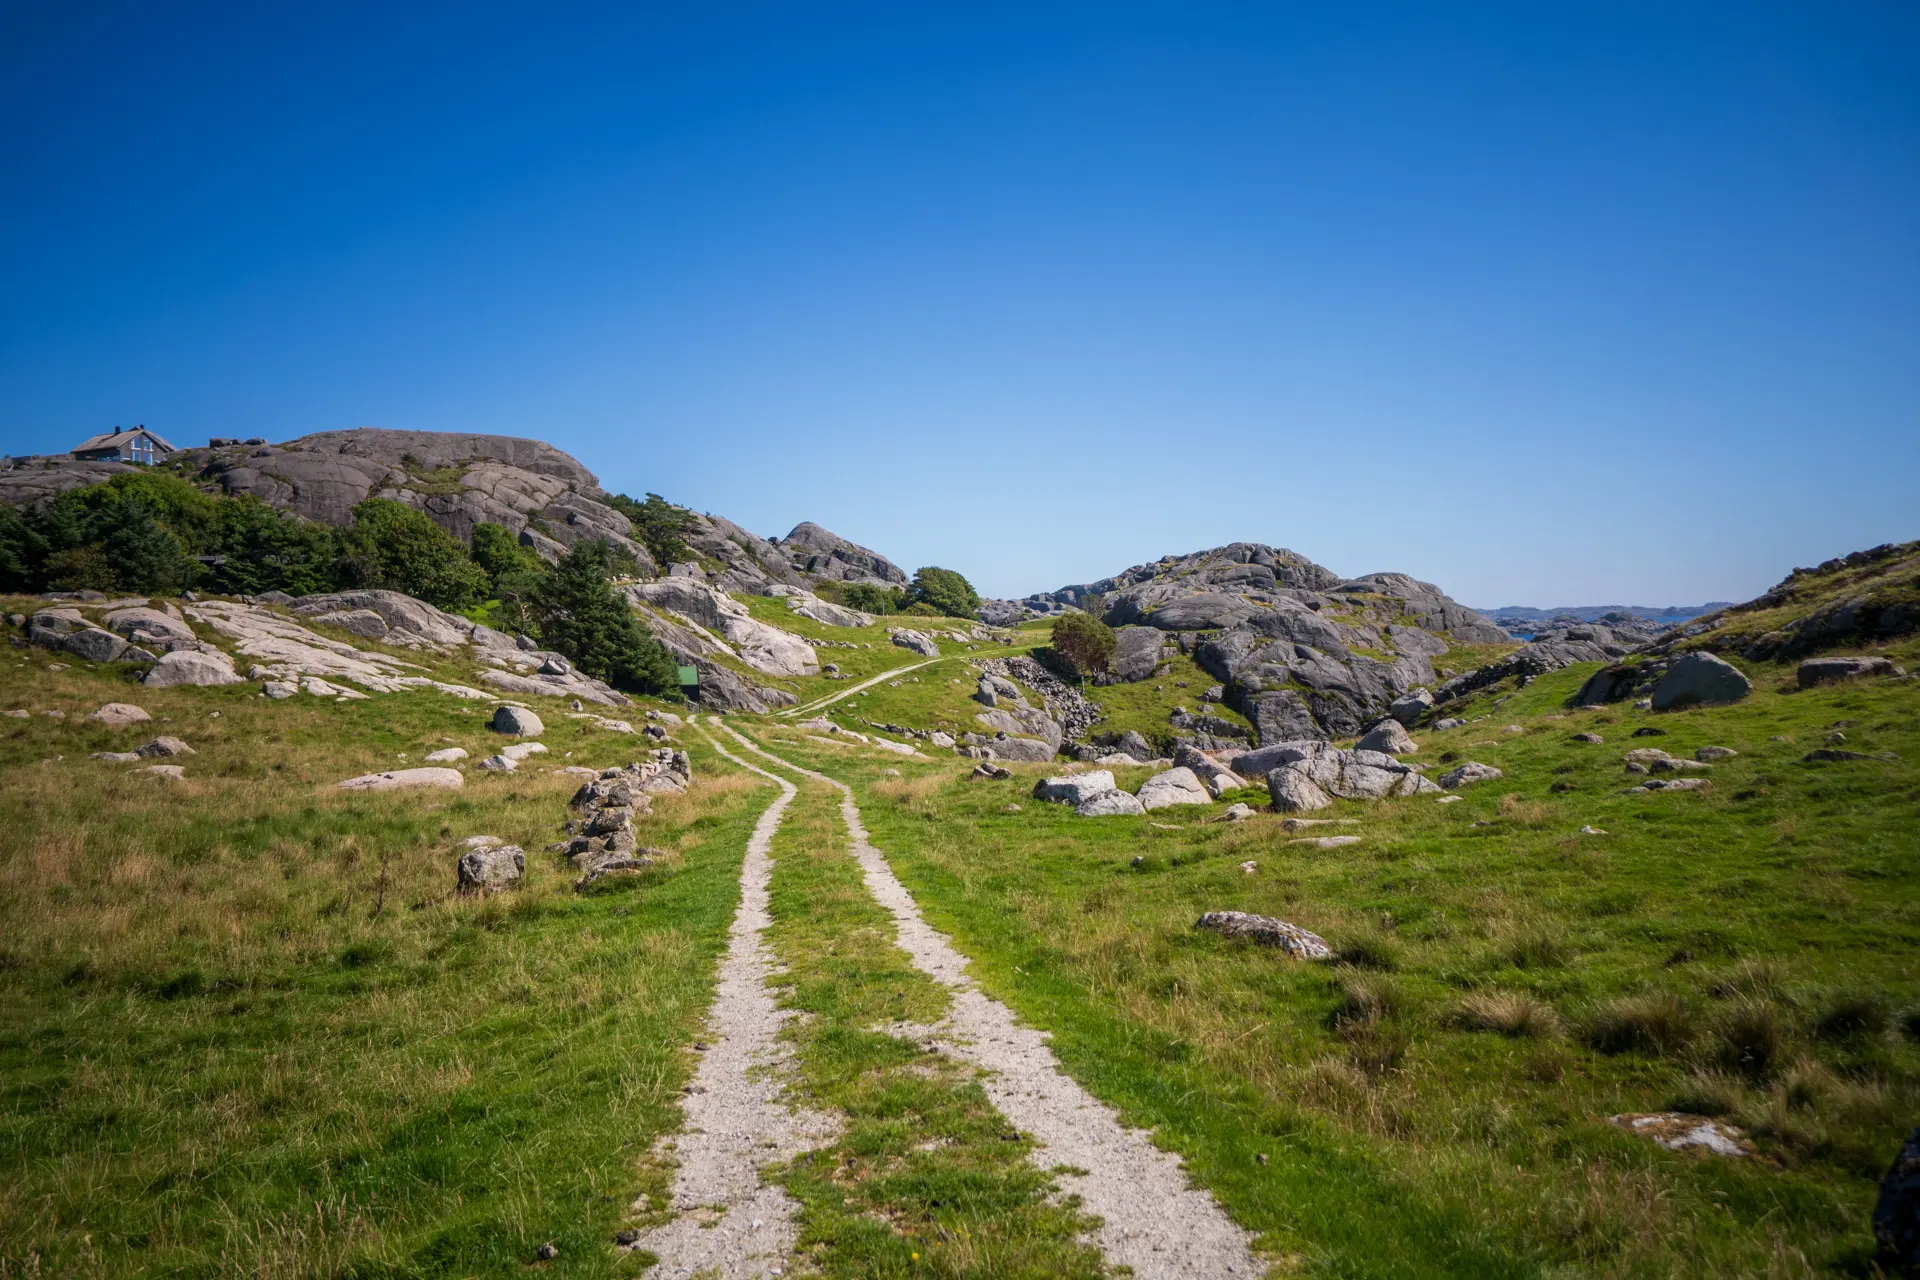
(1510, 1013)
(1653, 1022)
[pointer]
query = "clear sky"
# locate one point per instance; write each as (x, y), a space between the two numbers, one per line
(1550, 303)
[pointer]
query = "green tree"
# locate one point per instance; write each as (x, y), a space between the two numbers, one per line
(949, 593)
(394, 547)
(576, 611)
(267, 550)
(659, 526)
(869, 597)
(1082, 643)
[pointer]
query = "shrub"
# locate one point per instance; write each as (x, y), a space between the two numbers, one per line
(1846, 1014)
(1652, 1023)
(1749, 1038)
(1509, 1013)
(950, 594)
(1082, 643)
(577, 612)
(396, 548)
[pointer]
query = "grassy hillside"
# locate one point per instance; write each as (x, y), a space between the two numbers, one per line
(1436, 1102)
(249, 1028)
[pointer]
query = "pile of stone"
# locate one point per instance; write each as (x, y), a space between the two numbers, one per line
(602, 836)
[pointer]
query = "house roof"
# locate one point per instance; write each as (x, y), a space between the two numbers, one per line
(113, 439)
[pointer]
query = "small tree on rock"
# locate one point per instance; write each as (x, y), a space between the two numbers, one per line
(1083, 643)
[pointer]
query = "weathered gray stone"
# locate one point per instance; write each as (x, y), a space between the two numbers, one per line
(1109, 804)
(1470, 772)
(1290, 938)
(1816, 671)
(1294, 792)
(403, 779)
(517, 721)
(1388, 737)
(1175, 786)
(192, 667)
(1075, 787)
(1699, 679)
(490, 868)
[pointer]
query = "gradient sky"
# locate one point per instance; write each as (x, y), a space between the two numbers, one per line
(1548, 303)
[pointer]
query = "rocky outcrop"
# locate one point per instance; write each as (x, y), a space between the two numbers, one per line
(817, 553)
(759, 645)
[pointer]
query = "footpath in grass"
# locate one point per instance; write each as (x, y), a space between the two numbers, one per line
(928, 1179)
(1436, 1102)
(247, 1027)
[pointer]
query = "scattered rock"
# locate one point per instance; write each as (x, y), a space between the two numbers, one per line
(164, 746)
(402, 779)
(446, 755)
(1267, 931)
(1699, 679)
(491, 867)
(192, 667)
(116, 714)
(1832, 670)
(1470, 772)
(1175, 786)
(1074, 789)
(1388, 737)
(1109, 804)
(517, 721)
(1678, 1131)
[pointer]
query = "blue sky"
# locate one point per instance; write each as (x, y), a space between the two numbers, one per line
(1563, 303)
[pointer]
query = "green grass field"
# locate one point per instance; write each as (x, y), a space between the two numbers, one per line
(1436, 1102)
(248, 1027)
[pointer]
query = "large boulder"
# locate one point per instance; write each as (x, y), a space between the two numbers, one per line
(1137, 651)
(915, 642)
(1109, 804)
(1832, 670)
(1699, 679)
(404, 779)
(490, 868)
(1074, 788)
(517, 721)
(1389, 737)
(1294, 792)
(192, 667)
(1175, 786)
(1007, 746)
